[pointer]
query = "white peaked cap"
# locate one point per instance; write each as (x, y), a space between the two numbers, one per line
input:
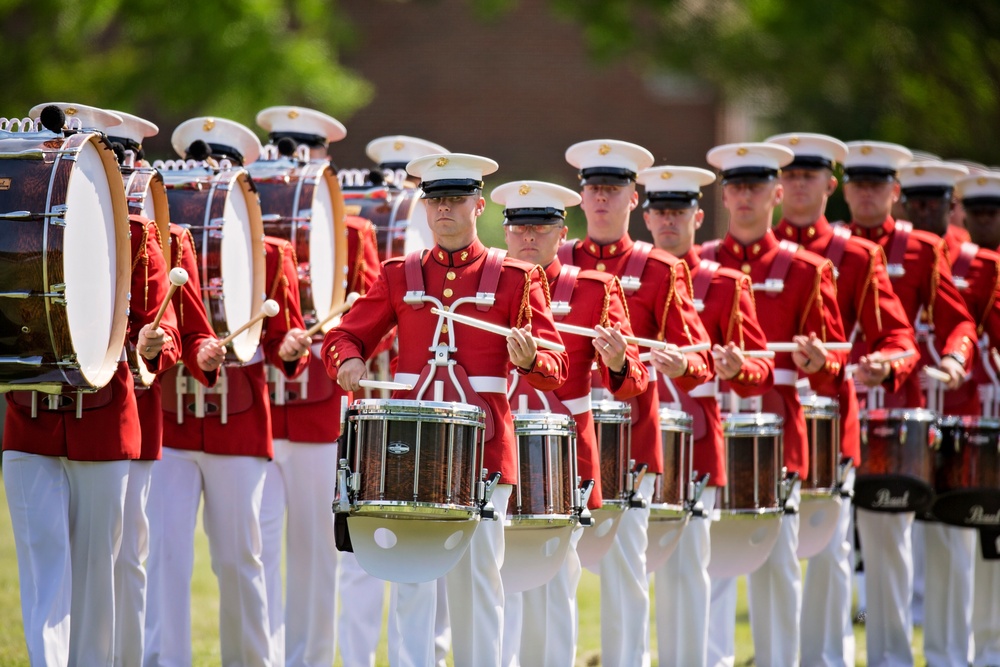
(811, 150)
(608, 158)
(941, 175)
(875, 158)
(133, 128)
(217, 131)
(451, 174)
(534, 195)
(400, 149)
(749, 160)
(91, 118)
(979, 186)
(301, 120)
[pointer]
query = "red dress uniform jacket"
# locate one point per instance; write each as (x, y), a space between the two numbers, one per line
(807, 304)
(248, 431)
(660, 309)
(449, 276)
(109, 429)
(927, 291)
(150, 274)
(976, 273)
(597, 299)
(866, 301)
(316, 418)
(729, 316)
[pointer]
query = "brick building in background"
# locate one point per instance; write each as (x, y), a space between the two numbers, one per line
(520, 88)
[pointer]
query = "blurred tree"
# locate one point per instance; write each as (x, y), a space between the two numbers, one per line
(168, 61)
(925, 74)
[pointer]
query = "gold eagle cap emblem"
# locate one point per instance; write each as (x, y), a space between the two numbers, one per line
(794, 141)
(70, 111)
(293, 114)
(604, 149)
(865, 150)
(919, 171)
(741, 150)
(441, 161)
(398, 146)
(665, 175)
(208, 125)
(524, 189)
(981, 180)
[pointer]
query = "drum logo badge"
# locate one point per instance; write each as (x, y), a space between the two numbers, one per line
(398, 448)
(884, 498)
(980, 517)
(4, 184)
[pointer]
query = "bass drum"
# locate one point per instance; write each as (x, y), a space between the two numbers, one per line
(222, 212)
(65, 261)
(398, 215)
(302, 203)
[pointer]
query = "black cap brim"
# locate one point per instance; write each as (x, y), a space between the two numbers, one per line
(451, 187)
(869, 174)
(927, 192)
(606, 176)
(674, 201)
(534, 216)
(981, 202)
(809, 162)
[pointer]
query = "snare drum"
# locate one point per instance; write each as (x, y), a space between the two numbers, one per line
(398, 215)
(819, 509)
(897, 460)
(668, 510)
(302, 203)
(613, 426)
(65, 261)
(546, 459)
(222, 211)
(967, 472)
(747, 515)
(415, 458)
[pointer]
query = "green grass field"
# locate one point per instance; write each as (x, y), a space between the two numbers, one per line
(205, 602)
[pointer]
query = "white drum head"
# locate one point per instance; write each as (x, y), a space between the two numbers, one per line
(740, 545)
(663, 537)
(321, 249)
(418, 232)
(818, 517)
(598, 538)
(90, 264)
(532, 556)
(409, 551)
(237, 272)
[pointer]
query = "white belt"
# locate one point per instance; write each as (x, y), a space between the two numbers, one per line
(484, 384)
(258, 356)
(784, 377)
(708, 389)
(577, 406)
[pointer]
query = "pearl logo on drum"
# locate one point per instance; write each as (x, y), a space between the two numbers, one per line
(980, 517)
(398, 448)
(884, 498)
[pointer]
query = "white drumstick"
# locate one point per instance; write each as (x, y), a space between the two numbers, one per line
(270, 309)
(792, 347)
(936, 374)
(995, 356)
(634, 340)
(753, 354)
(339, 310)
(178, 277)
(853, 368)
(495, 328)
(379, 384)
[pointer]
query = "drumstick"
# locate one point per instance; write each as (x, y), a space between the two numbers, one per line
(269, 309)
(634, 340)
(750, 354)
(339, 310)
(495, 328)
(792, 347)
(936, 374)
(995, 356)
(379, 384)
(178, 277)
(853, 368)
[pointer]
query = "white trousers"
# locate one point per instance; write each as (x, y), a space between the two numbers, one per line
(67, 522)
(949, 557)
(919, 570)
(430, 641)
(886, 542)
(722, 623)
(299, 489)
(475, 603)
(233, 487)
(683, 593)
(549, 626)
(130, 569)
(513, 620)
(359, 621)
(625, 589)
(986, 611)
(827, 631)
(774, 593)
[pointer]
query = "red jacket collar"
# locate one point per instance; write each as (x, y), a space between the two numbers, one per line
(609, 250)
(460, 257)
(874, 233)
(752, 250)
(786, 231)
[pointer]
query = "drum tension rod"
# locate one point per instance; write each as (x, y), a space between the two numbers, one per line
(486, 489)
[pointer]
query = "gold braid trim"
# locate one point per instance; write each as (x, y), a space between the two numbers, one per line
(993, 296)
(735, 314)
(359, 261)
(143, 257)
(870, 281)
(817, 298)
(672, 298)
(935, 280)
(524, 312)
(545, 285)
(281, 281)
(621, 295)
(605, 320)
